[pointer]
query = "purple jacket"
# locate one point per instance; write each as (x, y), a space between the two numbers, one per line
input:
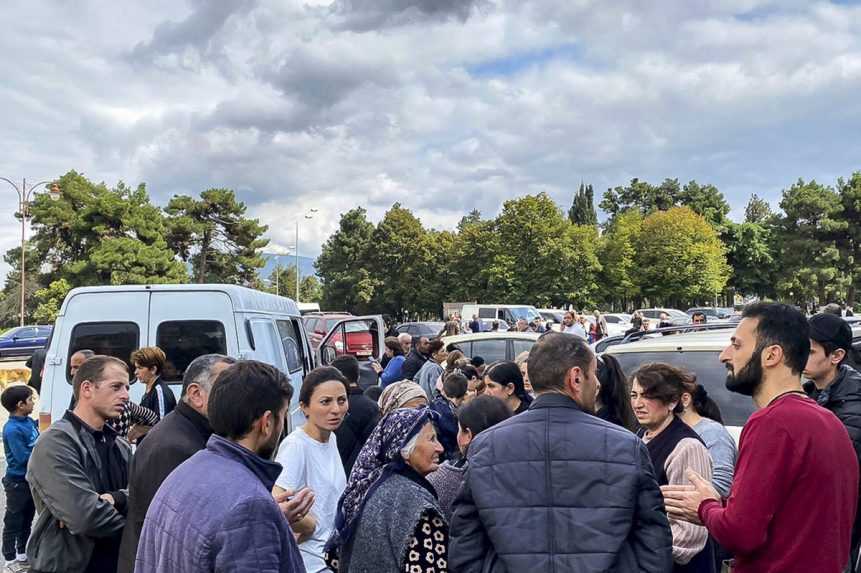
(215, 512)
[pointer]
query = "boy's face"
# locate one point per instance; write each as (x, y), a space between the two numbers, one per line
(25, 408)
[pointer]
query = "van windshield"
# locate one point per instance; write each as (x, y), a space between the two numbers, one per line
(524, 312)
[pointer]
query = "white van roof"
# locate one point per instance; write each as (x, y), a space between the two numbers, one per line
(242, 298)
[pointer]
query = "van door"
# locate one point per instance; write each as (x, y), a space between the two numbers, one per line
(111, 323)
(188, 324)
(359, 336)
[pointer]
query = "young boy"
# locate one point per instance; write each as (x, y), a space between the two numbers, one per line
(453, 392)
(19, 436)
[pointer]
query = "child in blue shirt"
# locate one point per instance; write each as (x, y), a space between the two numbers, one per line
(19, 436)
(454, 388)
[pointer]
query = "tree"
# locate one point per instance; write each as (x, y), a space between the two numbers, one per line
(705, 200)
(758, 210)
(50, 299)
(849, 242)
(809, 255)
(752, 255)
(10, 297)
(618, 253)
(93, 235)
(582, 211)
(343, 264)
(282, 281)
(679, 258)
(216, 237)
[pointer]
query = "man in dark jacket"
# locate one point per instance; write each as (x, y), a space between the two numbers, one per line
(362, 416)
(416, 358)
(537, 479)
(181, 434)
(215, 512)
(78, 475)
(36, 363)
(836, 386)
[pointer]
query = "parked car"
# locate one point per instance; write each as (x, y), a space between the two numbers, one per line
(510, 313)
(552, 317)
(186, 321)
(493, 346)
(23, 340)
(360, 340)
(429, 329)
(713, 314)
(677, 317)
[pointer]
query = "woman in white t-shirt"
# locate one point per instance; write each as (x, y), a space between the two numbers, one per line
(309, 456)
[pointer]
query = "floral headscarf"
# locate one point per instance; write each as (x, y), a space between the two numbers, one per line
(395, 395)
(378, 459)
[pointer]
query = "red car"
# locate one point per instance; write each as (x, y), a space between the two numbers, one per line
(360, 341)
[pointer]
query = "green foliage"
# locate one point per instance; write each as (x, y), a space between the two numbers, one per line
(214, 235)
(342, 265)
(849, 242)
(282, 281)
(582, 211)
(757, 211)
(751, 254)
(679, 257)
(50, 299)
(10, 296)
(705, 200)
(618, 254)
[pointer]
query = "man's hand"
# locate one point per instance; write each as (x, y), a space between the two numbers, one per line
(377, 367)
(137, 432)
(295, 505)
(683, 501)
(108, 498)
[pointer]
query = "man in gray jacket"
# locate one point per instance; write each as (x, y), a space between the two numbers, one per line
(556, 488)
(78, 474)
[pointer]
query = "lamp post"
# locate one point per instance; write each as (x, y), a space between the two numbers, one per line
(24, 195)
(277, 269)
(309, 214)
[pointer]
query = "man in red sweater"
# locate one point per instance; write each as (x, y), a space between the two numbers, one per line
(795, 490)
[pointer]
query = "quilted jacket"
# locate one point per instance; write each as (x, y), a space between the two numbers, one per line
(556, 489)
(215, 512)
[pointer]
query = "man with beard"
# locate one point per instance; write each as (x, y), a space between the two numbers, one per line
(216, 512)
(795, 490)
(416, 358)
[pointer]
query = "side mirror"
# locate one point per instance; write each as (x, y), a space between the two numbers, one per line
(328, 355)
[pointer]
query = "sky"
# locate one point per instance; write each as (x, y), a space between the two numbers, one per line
(441, 105)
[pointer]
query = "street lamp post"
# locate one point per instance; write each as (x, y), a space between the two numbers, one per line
(277, 269)
(24, 195)
(309, 214)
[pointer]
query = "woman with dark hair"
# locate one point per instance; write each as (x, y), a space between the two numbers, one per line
(702, 414)
(614, 404)
(473, 418)
(389, 518)
(309, 458)
(504, 381)
(431, 370)
(395, 365)
(656, 398)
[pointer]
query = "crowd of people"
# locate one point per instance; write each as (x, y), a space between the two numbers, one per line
(557, 461)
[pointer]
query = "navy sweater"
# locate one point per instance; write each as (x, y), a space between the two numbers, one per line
(19, 437)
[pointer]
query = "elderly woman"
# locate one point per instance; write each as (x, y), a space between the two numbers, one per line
(403, 394)
(389, 519)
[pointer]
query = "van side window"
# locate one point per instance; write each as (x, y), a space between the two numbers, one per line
(486, 313)
(292, 343)
(185, 340)
(118, 339)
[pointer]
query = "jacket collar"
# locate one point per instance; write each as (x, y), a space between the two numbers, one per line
(846, 386)
(267, 472)
(198, 420)
(554, 400)
(107, 431)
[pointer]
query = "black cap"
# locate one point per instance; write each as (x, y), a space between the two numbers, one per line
(825, 327)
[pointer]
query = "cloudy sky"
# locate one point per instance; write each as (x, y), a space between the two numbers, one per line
(442, 105)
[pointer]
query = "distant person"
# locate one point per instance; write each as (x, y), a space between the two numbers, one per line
(416, 358)
(599, 328)
(522, 361)
(19, 438)
(472, 418)
(403, 394)
(636, 321)
(614, 402)
(181, 434)
(452, 326)
(432, 369)
(362, 417)
(570, 325)
(36, 364)
(406, 342)
(664, 321)
(494, 326)
(521, 325)
(702, 414)
(835, 385)
(78, 475)
(310, 459)
(446, 405)
(216, 512)
(796, 480)
(698, 317)
(530, 486)
(149, 365)
(833, 308)
(474, 382)
(475, 324)
(479, 363)
(503, 380)
(393, 371)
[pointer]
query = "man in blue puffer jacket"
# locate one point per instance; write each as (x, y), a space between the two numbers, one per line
(556, 488)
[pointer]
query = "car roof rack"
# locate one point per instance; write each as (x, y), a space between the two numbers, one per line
(605, 343)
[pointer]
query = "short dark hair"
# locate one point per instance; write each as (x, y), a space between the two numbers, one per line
(13, 395)
(469, 371)
(553, 356)
(785, 326)
(93, 369)
(699, 313)
(242, 393)
(477, 361)
(348, 366)
(454, 385)
(664, 383)
(481, 413)
(198, 371)
(393, 344)
(319, 376)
